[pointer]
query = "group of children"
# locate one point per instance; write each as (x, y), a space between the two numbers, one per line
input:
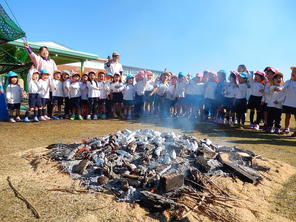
(220, 97)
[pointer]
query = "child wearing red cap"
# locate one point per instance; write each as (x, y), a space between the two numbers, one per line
(274, 105)
(84, 95)
(210, 97)
(66, 87)
(75, 96)
(116, 88)
(194, 95)
(93, 96)
(289, 104)
(229, 96)
(269, 71)
(104, 92)
(57, 94)
(257, 90)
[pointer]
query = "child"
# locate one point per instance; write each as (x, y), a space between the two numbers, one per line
(274, 105)
(104, 92)
(219, 95)
(148, 100)
(34, 97)
(108, 80)
(84, 95)
(116, 88)
(210, 102)
(240, 101)
(229, 97)
(257, 90)
(170, 97)
(57, 95)
(289, 104)
(44, 93)
(14, 97)
(128, 92)
(194, 95)
(93, 96)
(160, 90)
(269, 71)
(75, 96)
(66, 88)
(180, 94)
(140, 90)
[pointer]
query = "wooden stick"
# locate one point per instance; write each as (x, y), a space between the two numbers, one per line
(19, 196)
(68, 190)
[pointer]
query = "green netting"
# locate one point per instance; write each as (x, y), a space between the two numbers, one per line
(9, 31)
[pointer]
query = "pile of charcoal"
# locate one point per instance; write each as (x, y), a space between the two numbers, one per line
(146, 165)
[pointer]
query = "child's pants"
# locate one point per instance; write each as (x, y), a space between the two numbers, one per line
(93, 105)
(274, 117)
(67, 106)
(240, 109)
(139, 106)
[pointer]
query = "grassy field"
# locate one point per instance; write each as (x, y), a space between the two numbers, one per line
(16, 139)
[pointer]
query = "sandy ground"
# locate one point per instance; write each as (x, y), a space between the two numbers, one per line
(273, 200)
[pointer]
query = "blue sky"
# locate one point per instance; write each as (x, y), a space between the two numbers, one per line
(188, 35)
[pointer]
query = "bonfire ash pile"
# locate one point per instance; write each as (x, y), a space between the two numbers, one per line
(156, 168)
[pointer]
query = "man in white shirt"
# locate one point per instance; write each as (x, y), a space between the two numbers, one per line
(113, 65)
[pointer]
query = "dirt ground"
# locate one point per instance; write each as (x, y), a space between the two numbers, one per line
(21, 144)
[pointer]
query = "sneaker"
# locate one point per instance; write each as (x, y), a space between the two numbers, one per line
(12, 120)
(26, 120)
(252, 126)
(88, 117)
(55, 118)
(104, 116)
(277, 131)
(95, 117)
(18, 119)
(72, 117)
(286, 131)
(80, 117)
(46, 117)
(61, 117)
(42, 118)
(67, 116)
(35, 119)
(256, 127)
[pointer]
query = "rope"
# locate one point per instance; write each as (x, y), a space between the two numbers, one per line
(14, 18)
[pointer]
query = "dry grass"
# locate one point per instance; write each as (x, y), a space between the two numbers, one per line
(18, 139)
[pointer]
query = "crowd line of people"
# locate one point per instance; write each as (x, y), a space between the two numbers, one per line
(222, 97)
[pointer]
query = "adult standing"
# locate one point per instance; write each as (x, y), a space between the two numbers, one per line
(42, 61)
(113, 65)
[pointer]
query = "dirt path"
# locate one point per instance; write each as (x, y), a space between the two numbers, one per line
(20, 140)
